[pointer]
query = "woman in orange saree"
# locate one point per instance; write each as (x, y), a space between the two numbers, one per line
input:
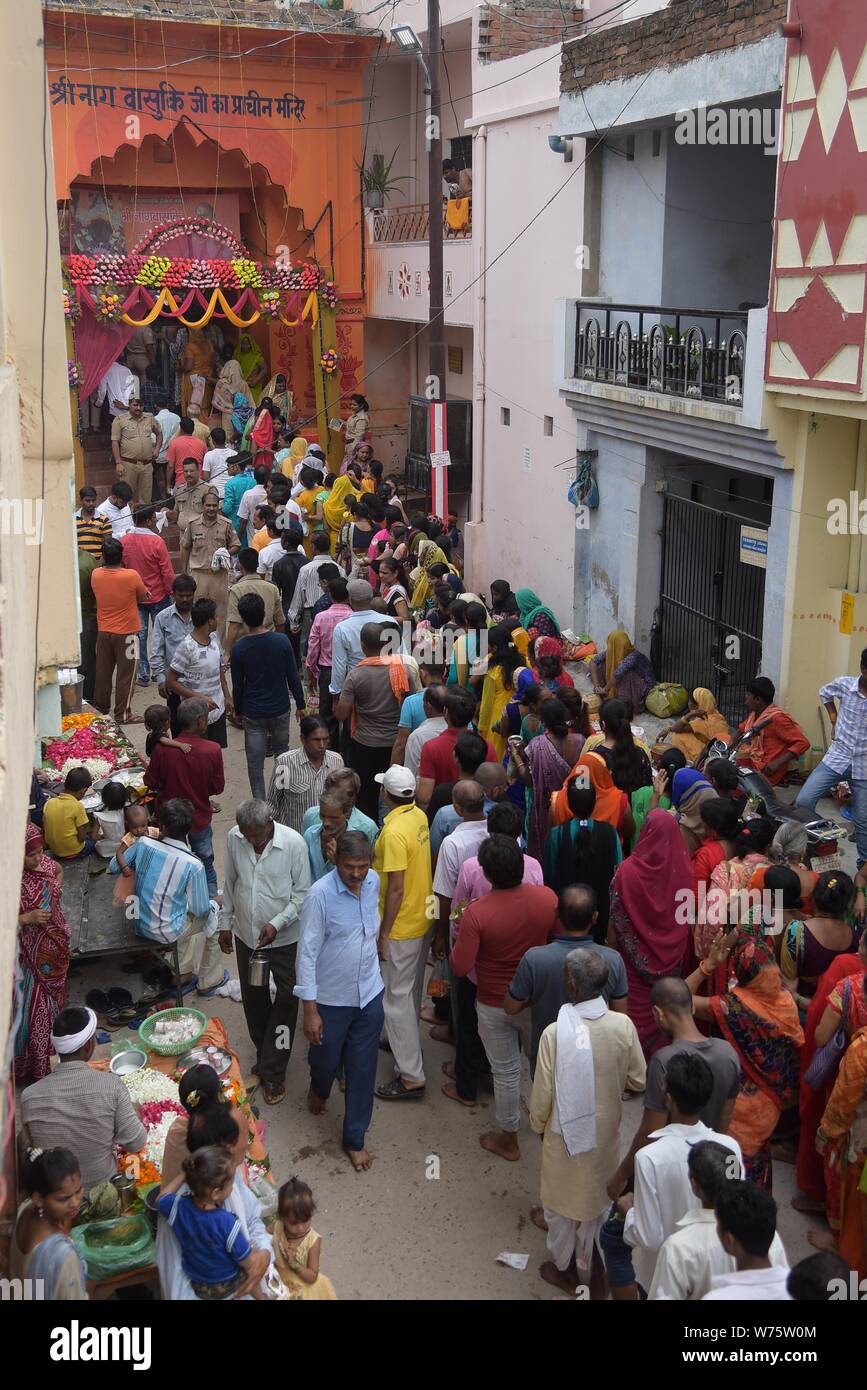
(197, 370)
(842, 1139)
(759, 1017)
(612, 805)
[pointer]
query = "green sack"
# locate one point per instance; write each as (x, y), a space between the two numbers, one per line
(113, 1247)
(667, 700)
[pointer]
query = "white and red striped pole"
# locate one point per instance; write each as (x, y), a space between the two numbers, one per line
(439, 467)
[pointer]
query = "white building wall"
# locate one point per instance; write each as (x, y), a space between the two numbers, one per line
(523, 527)
(633, 220)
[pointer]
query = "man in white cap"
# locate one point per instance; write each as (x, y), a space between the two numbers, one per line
(78, 1108)
(408, 911)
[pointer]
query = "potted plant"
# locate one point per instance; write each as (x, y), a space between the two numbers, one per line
(376, 180)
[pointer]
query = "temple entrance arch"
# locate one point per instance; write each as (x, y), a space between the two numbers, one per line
(125, 196)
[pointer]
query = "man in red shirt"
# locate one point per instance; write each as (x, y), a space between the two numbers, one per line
(437, 764)
(145, 551)
(194, 776)
(494, 934)
(776, 740)
(185, 445)
(118, 592)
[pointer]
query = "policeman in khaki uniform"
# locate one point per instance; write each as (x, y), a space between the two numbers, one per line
(202, 536)
(134, 450)
(186, 501)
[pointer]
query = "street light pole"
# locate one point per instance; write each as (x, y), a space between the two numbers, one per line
(436, 331)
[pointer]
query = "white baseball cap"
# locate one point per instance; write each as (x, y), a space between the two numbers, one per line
(398, 781)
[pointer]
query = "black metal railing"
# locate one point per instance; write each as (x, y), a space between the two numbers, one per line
(693, 353)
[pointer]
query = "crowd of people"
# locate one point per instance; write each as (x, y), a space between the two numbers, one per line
(462, 841)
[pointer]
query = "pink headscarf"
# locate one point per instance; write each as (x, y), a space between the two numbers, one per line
(652, 884)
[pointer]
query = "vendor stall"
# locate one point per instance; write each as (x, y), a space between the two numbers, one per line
(153, 1088)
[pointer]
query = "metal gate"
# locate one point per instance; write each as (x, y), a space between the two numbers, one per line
(711, 604)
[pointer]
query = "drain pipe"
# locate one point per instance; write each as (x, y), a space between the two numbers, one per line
(477, 494)
(861, 489)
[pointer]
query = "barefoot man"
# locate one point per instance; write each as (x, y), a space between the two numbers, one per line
(340, 984)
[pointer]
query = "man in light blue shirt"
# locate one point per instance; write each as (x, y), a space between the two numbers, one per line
(171, 888)
(846, 759)
(340, 982)
(346, 642)
(321, 839)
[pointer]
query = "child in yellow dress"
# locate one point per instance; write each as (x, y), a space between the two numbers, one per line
(297, 1246)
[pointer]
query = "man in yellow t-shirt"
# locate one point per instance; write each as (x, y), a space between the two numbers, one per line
(64, 819)
(407, 909)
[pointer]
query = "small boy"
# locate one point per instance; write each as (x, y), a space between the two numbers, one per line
(65, 821)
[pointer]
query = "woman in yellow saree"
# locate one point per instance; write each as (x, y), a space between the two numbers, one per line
(249, 354)
(334, 509)
(504, 666)
(701, 723)
(427, 553)
(297, 451)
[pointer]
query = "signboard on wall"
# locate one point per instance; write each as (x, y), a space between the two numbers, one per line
(117, 221)
(754, 546)
(847, 614)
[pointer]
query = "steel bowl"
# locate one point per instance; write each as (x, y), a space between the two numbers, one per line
(123, 1063)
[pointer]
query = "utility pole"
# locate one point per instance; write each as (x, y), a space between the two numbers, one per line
(436, 330)
(436, 335)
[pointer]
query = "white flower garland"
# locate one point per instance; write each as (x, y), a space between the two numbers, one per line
(148, 1084)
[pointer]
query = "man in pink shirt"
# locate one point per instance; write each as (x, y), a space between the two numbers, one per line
(145, 551)
(493, 936)
(469, 1063)
(318, 662)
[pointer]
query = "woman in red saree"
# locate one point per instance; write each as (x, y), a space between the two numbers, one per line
(823, 1019)
(759, 1017)
(651, 911)
(262, 435)
(842, 1139)
(43, 953)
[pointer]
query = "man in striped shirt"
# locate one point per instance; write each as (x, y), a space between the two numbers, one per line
(846, 759)
(91, 530)
(308, 589)
(171, 889)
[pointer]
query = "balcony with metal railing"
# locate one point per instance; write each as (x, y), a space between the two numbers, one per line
(694, 354)
(389, 226)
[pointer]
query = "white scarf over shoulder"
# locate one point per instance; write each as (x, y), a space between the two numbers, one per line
(574, 1077)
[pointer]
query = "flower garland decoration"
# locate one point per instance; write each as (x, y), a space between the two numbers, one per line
(189, 226)
(311, 277)
(73, 371)
(328, 362)
(77, 721)
(247, 273)
(154, 271)
(100, 747)
(269, 303)
(150, 1085)
(71, 306)
(329, 294)
(108, 305)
